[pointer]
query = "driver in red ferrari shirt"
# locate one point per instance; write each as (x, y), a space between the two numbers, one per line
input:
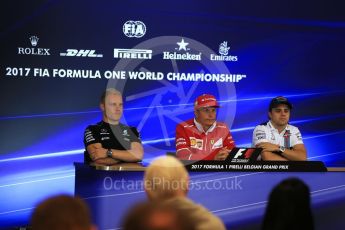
(202, 137)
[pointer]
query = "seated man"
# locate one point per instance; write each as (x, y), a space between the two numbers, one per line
(166, 181)
(279, 140)
(203, 138)
(109, 142)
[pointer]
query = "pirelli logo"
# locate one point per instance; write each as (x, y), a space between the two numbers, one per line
(133, 53)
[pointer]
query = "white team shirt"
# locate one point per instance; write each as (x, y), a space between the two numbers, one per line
(288, 138)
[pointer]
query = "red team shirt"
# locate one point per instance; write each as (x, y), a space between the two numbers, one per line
(193, 143)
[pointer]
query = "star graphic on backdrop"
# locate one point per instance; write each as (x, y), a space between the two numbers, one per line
(182, 45)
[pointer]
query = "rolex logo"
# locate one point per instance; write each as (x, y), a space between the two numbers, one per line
(34, 40)
(33, 50)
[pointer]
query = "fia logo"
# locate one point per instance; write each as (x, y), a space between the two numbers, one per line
(135, 29)
(223, 48)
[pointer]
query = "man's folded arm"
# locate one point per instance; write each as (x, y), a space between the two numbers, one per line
(182, 144)
(134, 154)
(297, 153)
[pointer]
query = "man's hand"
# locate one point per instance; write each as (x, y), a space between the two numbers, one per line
(96, 151)
(222, 154)
(269, 156)
(268, 147)
(134, 154)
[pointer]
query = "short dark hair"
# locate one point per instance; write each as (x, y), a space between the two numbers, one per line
(61, 212)
(289, 207)
(109, 91)
(280, 100)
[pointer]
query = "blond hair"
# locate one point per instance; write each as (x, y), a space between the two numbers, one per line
(166, 177)
(109, 91)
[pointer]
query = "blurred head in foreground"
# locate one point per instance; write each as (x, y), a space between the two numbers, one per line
(166, 177)
(289, 206)
(156, 216)
(62, 213)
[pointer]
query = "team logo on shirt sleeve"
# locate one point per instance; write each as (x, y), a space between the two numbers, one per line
(192, 142)
(181, 141)
(199, 143)
(260, 135)
(88, 136)
(196, 143)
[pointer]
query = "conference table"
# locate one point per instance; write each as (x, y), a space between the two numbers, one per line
(237, 196)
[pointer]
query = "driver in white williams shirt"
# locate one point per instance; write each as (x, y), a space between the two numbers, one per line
(279, 140)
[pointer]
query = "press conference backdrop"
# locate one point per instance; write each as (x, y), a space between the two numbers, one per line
(58, 56)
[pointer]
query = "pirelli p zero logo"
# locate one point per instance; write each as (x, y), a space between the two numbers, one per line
(81, 53)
